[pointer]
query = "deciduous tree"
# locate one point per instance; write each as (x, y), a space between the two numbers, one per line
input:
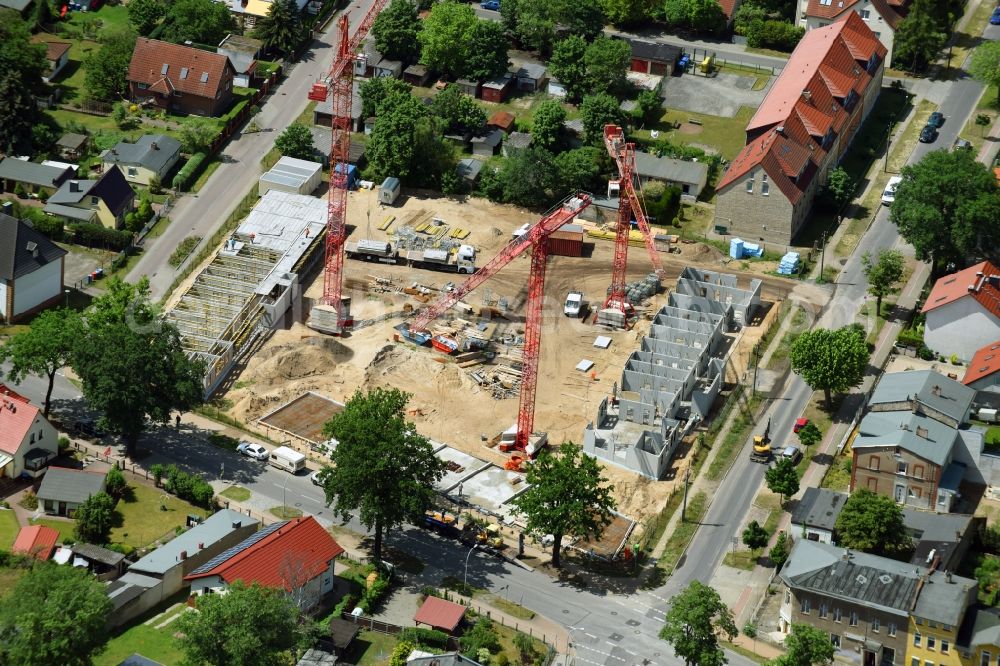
(43, 349)
(569, 67)
(874, 524)
(839, 188)
(200, 21)
(247, 625)
(948, 207)
(648, 107)
(197, 134)
(883, 272)
(607, 61)
(830, 360)
(487, 54)
(529, 178)
(382, 468)
(779, 551)
(567, 496)
(106, 68)
(810, 434)
(596, 111)
(376, 90)
(21, 66)
(458, 112)
(919, 37)
(54, 615)
(296, 141)
(281, 30)
(806, 646)
(406, 143)
(396, 30)
(446, 37)
(145, 15)
(95, 518)
(696, 619)
(782, 479)
(581, 169)
(626, 12)
(754, 536)
(547, 125)
(985, 64)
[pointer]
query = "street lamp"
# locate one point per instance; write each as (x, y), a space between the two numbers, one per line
(283, 505)
(465, 579)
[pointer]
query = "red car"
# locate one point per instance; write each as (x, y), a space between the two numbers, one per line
(799, 425)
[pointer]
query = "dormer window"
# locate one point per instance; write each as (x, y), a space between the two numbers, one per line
(872, 63)
(850, 100)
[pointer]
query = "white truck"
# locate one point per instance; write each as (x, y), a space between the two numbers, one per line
(462, 260)
(574, 304)
(287, 459)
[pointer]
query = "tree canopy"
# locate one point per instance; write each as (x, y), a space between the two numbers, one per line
(528, 178)
(382, 468)
(810, 434)
(695, 620)
(596, 111)
(281, 30)
(53, 615)
(806, 646)
(948, 207)
(567, 496)
(458, 112)
(754, 536)
(446, 37)
(131, 363)
(582, 168)
(607, 61)
(244, 627)
(378, 89)
(625, 12)
(296, 141)
(106, 69)
(920, 37)
(43, 348)
(883, 272)
(95, 518)
(547, 125)
(145, 15)
(704, 16)
(874, 524)
(406, 142)
(21, 66)
(487, 54)
(533, 23)
(985, 64)
(569, 66)
(199, 21)
(782, 479)
(396, 30)
(830, 360)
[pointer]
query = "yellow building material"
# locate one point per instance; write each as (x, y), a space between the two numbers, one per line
(387, 222)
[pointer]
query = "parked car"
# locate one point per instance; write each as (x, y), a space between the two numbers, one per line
(889, 194)
(89, 428)
(314, 477)
(995, 17)
(800, 423)
(492, 5)
(928, 134)
(936, 119)
(574, 304)
(963, 144)
(255, 451)
(792, 453)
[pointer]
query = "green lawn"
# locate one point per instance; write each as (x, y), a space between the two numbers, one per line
(9, 527)
(71, 78)
(285, 512)
(110, 16)
(370, 648)
(147, 640)
(7, 579)
(64, 527)
(143, 520)
(236, 493)
(679, 540)
(727, 135)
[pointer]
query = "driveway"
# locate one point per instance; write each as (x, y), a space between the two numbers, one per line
(720, 95)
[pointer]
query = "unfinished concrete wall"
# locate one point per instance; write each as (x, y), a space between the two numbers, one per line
(722, 288)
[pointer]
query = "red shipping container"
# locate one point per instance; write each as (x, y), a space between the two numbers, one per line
(566, 243)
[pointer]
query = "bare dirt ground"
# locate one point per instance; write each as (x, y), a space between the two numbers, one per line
(447, 405)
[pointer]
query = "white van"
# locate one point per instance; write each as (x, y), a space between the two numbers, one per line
(287, 459)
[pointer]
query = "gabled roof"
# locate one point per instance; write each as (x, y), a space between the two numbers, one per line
(980, 282)
(72, 140)
(502, 119)
(219, 525)
(17, 415)
(654, 51)
(828, 9)
(926, 387)
(35, 540)
(440, 614)
(32, 173)
(728, 7)
(112, 189)
(56, 50)
(167, 67)
(670, 169)
(152, 151)
(984, 363)
(62, 484)
(819, 508)
(788, 164)
(19, 243)
(921, 435)
(286, 555)
(98, 554)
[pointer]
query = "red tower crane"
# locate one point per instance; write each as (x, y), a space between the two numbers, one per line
(535, 238)
(629, 205)
(340, 82)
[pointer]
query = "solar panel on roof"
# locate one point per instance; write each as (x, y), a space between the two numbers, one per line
(239, 548)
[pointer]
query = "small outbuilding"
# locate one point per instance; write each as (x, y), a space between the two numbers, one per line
(488, 144)
(531, 77)
(502, 120)
(63, 490)
(496, 90)
(653, 57)
(388, 191)
(291, 175)
(439, 614)
(36, 541)
(470, 88)
(468, 169)
(515, 141)
(690, 177)
(71, 145)
(416, 75)
(567, 241)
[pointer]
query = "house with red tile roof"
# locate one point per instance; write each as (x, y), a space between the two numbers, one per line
(27, 440)
(882, 16)
(800, 132)
(984, 368)
(36, 541)
(729, 8)
(962, 312)
(294, 555)
(179, 78)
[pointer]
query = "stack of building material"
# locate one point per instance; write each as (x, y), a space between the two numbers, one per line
(789, 264)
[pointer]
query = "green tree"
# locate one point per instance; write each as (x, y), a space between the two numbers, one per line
(281, 30)
(21, 66)
(95, 518)
(830, 360)
(376, 90)
(131, 363)
(446, 37)
(547, 125)
(779, 551)
(396, 30)
(482, 638)
(873, 524)
(400, 653)
(883, 271)
(919, 37)
(200, 21)
(197, 134)
(696, 619)
(839, 188)
(947, 208)
(487, 54)
(529, 178)
(706, 16)
(532, 23)
(754, 536)
(115, 483)
(406, 143)
(806, 646)
(596, 111)
(985, 64)
(674, 13)
(43, 14)
(567, 496)
(625, 12)
(607, 61)
(569, 67)
(648, 107)
(458, 112)
(246, 626)
(782, 479)
(382, 468)
(42, 349)
(810, 434)
(53, 615)
(580, 169)
(580, 18)
(982, 122)
(296, 141)
(105, 70)
(145, 15)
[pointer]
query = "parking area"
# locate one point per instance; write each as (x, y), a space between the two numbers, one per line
(719, 95)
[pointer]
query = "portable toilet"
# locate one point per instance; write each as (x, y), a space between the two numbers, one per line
(389, 190)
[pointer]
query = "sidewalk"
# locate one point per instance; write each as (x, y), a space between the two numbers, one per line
(988, 153)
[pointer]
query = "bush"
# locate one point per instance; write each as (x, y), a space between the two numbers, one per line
(189, 171)
(49, 226)
(19, 191)
(29, 501)
(115, 483)
(158, 471)
(425, 637)
(183, 249)
(96, 235)
(773, 34)
(482, 636)
(155, 186)
(64, 444)
(223, 441)
(188, 486)
(372, 595)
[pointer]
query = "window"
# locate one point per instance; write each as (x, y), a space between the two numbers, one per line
(931, 642)
(901, 468)
(788, 596)
(917, 620)
(891, 629)
(805, 606)
(826, 3)
(177, 93)
(873, 463)
(915, 661)
(918, 471)
(764, 187)
(835, 639)
(837, 615)
(876, 624)
(928, 662)
(916, 639)
(945, 646)
(854, 618)
(865, 14)
(823, 610)
(93, 201)
(132, 171)
(32, 438)
(873, 484)
(932, 624)
(41, 434)
(750, 185)
(142, 86)
(850, 100)
(984, 659)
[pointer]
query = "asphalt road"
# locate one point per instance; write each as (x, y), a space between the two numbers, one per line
(201, 214)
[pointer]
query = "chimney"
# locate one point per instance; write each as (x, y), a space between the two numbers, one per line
(847, 555)
(807, 94)
(184, 555)
(201, 546)
(922, 432)
(236, 524)
(971, 287)
(155, 147)
(33, 249)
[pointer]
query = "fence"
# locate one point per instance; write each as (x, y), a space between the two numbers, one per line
(699, 54)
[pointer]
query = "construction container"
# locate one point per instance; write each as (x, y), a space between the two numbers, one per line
(567, 241)
(389, 190)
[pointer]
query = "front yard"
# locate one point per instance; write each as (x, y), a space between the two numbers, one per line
(150, 513)
(9, 528)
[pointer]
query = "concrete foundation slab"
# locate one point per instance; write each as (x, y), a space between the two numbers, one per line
(490, 489)
(459, 467)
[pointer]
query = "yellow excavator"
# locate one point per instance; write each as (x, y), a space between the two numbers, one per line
(761, 451)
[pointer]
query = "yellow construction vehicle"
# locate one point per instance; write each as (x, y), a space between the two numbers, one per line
(761, 451)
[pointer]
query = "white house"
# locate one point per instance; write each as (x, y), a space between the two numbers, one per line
(962, 312)
(27, 440)
(31, 270)
(882, 16)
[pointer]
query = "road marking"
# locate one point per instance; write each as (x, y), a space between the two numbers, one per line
(630, 652)
(590, 635)
(600, 652)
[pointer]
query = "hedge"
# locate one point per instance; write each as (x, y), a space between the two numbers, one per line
(188, 172)
(96, 235)
(422, 636)
(188, 487)
(50, 227)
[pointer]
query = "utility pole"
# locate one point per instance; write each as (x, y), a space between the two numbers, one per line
(684, 504)
(888, 135)
(822, 249)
